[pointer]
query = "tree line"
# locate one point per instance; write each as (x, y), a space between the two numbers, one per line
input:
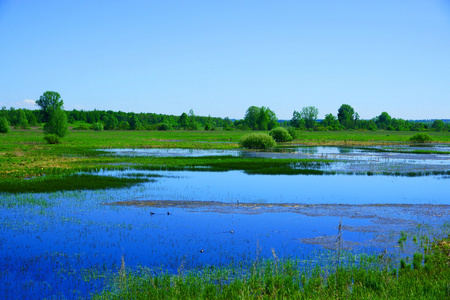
(256, 118)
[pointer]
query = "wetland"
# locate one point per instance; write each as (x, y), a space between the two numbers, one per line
(178, 210)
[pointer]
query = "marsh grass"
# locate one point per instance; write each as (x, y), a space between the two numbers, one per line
(23, 153)
(74, 182)
(22, 200)
(368, 277)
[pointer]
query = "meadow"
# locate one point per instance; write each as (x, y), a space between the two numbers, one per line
(306, 220)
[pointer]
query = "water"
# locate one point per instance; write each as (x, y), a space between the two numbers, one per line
(71, 248)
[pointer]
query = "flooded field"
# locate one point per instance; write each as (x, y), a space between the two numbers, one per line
(69, 244)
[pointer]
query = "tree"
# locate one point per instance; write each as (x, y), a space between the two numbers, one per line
(309, 115)
(346, 116)
(4, 126)
(260, 118)
(273, 120)
(192, 121)
(438, 125)
(251, 117)
(49, 102)
(182, 121)
(110, 121)
(134, 122)
(22, 119)
(57, 123)
(384, 120)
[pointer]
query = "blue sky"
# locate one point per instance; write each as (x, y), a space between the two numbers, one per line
(220, 57)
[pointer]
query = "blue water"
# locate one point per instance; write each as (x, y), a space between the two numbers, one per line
(72, 248)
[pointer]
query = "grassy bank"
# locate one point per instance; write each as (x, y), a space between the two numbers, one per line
(425, 276)
(24, 153)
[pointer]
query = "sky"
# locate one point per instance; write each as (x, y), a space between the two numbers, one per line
(221, 57)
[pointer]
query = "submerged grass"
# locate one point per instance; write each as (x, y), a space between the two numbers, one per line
(22, 200)
(74, 182)
(404, 151)
(371, 277)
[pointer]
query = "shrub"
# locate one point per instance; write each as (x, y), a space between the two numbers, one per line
(294, 133)
(52, 139)
(81, 126)
(257, 141)
(281, 135)
(97, 126)
(421, 138)
(4, 125)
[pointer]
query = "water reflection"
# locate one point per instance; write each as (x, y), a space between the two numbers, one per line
(68, 249)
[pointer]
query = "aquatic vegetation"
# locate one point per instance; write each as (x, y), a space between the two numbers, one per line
(366, 278)
(23, 199)
(66, 183)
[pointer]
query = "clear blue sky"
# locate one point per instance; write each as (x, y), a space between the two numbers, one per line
(220, 57)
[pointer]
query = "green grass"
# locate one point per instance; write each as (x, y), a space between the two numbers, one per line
(371, 277)
(24, 153)
(66, 183)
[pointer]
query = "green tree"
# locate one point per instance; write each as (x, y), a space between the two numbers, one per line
(347, 116)
(309, 115)
(331, 121)
(134, 122)
(183, 120)
(57, 123)
(32, 121)
(295, 121)
(438, 125)
(251, 117)
(110, 122)
(22, 119)
(384, 120)
(192, 121)
(4, 125)
(49, 102)
(260, 118)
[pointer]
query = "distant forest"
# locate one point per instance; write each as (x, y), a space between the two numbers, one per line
(256, 118)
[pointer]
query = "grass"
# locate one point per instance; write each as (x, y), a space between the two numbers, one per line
(25, 154)
(66, 183)
(371, 277)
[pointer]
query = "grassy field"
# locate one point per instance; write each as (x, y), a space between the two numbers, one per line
(24, 153)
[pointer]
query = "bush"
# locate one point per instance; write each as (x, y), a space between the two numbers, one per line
(4, 125)
(52, 139)
(97, 126)
(257, 141)
(281, 135)
(293, 132)
(82, 126)
(421, 138)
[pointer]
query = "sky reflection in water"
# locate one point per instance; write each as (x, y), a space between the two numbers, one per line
(68, 249)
